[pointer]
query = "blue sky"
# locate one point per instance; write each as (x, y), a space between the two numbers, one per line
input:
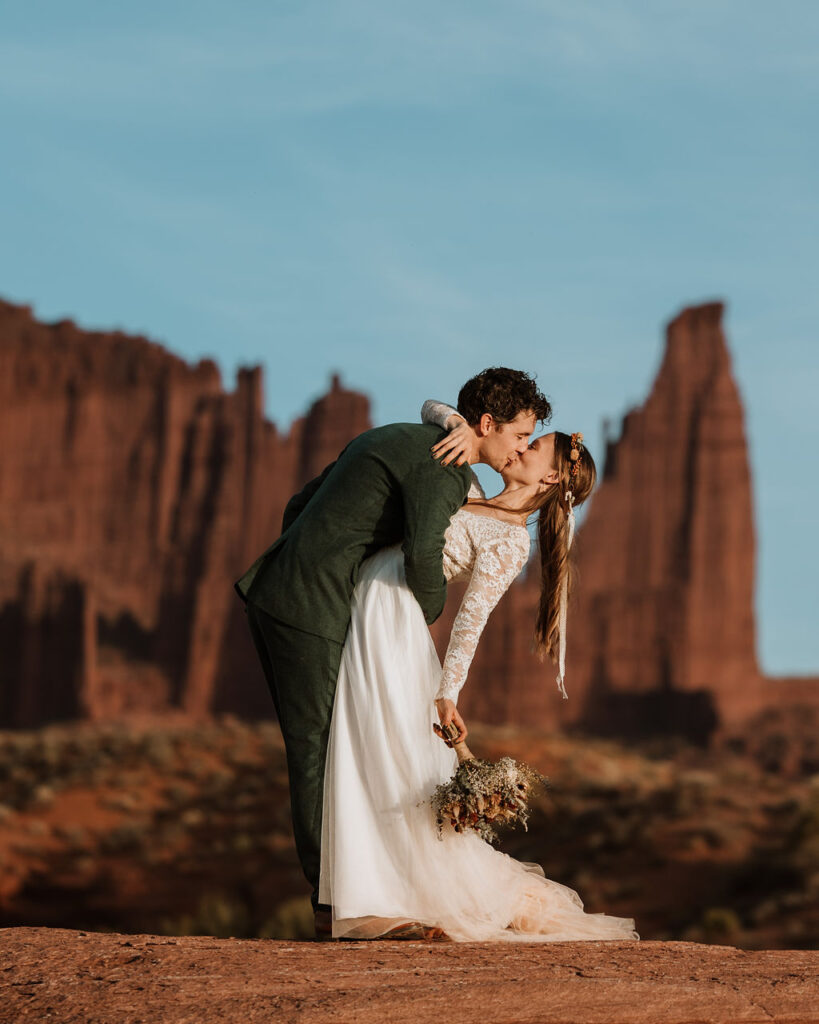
(407, 192)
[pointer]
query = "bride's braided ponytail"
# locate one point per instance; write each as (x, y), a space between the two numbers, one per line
(577, 478)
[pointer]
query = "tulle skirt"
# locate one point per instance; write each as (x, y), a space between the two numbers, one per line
(382, 861)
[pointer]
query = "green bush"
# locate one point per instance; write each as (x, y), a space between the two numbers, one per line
(217, 914)
(720, 924)
(292, 919)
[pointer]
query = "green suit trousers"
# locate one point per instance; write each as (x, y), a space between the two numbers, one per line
(301, 670)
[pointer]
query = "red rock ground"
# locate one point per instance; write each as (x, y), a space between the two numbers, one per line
(72, 977)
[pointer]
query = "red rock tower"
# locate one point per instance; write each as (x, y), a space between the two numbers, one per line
(664, 621)
(661, 627)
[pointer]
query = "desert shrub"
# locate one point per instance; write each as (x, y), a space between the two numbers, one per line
(292, 919)
(42, 796)
(720, 924)
(119, 802)
(159, 751)
(75, 835)
(128, 836)
(242, 842)
(178, 794)
(217, 914)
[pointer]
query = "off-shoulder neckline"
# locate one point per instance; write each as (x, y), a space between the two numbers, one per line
(494, 519)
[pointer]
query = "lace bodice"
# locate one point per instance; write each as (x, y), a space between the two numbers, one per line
(487, 552)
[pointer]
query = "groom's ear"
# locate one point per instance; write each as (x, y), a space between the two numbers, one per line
(485, 424)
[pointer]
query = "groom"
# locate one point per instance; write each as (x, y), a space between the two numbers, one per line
(384, 488)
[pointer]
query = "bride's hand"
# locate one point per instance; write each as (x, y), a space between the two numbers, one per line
(448, 712)
(459, 446)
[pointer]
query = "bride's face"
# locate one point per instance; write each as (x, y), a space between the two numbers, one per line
(535, 465)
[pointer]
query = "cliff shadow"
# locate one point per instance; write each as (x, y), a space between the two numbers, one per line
(43, 641)
(663, 712)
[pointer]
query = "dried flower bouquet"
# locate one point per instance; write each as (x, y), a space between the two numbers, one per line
(484, 796)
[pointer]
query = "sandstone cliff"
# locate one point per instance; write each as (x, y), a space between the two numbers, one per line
(134, 489)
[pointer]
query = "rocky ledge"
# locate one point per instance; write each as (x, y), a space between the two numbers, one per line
(71, 976)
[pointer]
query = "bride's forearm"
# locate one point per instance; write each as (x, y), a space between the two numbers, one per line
(441, 414)
(459, 446)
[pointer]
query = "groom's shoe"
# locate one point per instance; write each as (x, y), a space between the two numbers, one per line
(323, 923)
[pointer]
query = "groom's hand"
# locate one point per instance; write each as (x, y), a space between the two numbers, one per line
(459, 446)
(448, 712)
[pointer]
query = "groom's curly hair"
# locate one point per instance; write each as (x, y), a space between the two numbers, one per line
(503, 393)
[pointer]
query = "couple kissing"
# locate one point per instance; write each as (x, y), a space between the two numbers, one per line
(339, 608)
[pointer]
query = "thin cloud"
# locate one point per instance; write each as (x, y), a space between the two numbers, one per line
(322, 58)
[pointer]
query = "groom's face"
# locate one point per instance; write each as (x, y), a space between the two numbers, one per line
(504, 443)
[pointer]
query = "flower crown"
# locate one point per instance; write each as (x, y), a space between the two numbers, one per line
(576, 455)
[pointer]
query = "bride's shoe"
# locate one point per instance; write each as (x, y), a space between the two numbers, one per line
(416, 932)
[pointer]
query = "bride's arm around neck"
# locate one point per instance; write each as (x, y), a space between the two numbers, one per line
(446, 416)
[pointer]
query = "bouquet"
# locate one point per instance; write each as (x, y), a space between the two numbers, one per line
(484, 796)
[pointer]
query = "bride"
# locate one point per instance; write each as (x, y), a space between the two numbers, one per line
(384, 869)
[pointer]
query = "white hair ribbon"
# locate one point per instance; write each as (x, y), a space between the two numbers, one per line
(564, 599)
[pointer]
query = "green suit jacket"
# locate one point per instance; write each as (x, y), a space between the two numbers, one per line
(383, 489)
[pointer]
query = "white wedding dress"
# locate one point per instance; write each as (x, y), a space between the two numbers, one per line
(382, 861)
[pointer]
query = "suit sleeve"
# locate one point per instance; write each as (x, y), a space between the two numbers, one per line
(299, 502)
(432, 495)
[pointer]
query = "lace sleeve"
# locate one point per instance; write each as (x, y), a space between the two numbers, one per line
(497, 563)
(437, 413)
